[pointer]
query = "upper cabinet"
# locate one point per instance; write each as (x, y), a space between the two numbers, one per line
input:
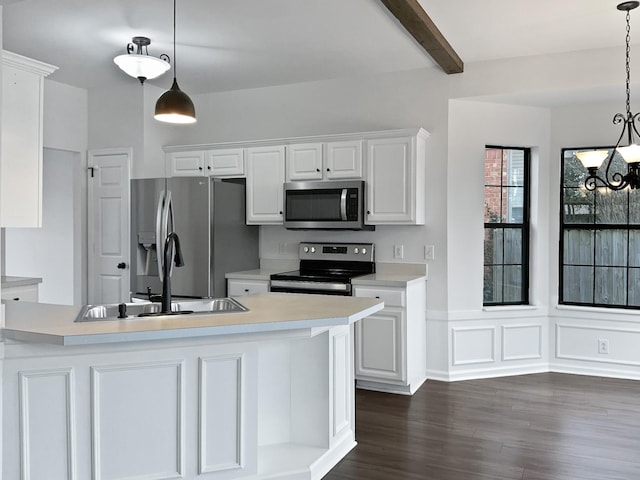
(396, 180)
(324, 161)
(224, 162)
(392, 162)
(21, 143)
(265, 178)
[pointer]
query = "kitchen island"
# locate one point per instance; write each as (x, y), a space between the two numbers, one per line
(267, 393)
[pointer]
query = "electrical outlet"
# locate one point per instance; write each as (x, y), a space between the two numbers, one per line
(429, 252)
(398, 251)
(603, 346)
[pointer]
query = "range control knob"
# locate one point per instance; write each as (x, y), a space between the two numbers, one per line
(356, 250)
(306, 249)
(364, 251)
(313, 249)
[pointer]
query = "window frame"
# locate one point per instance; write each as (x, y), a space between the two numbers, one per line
(593, 227)
(524, 227)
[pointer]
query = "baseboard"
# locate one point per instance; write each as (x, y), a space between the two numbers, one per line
(593, 371)
(391, 388)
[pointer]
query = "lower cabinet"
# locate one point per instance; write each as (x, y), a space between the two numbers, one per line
(390, 345)
(237, 288)
(215, 408)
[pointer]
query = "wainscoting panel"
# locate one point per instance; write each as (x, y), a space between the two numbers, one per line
(137, 421)
(521, 342)
(580, 342)
(473, 345)
(221, 406)
(47, 443)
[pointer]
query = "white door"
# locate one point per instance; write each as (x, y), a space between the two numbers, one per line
(109, 225)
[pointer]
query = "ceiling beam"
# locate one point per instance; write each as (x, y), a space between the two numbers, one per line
(416, 21)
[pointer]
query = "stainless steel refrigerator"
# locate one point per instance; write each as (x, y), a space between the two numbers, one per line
(209, 217)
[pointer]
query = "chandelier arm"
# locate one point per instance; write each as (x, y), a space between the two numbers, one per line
(616, 179)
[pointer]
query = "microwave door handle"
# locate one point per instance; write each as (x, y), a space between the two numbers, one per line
(343, 205)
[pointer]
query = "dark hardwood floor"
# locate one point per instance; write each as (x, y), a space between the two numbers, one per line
(533, 427)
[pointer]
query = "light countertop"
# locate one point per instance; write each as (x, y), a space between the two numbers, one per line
(7, 281)
(268, 312)
(387, 280)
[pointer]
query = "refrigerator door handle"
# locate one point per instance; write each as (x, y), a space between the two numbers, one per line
(159, 236)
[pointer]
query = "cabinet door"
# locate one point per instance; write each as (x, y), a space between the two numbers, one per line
(265, 178)
(390, 181)
(344, 160)
(379, 346)
(186, 164)
(237, 288)
(21, 155)
(304, 162)
(225, 163)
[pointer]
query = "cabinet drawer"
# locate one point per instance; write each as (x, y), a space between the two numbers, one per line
(392, 297)
(237, 288)
(27, 293)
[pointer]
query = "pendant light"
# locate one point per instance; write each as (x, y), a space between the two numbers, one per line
(628, 142)
(141, 65)
(175, 106)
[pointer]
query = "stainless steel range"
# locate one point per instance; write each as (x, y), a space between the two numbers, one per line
(326, 268)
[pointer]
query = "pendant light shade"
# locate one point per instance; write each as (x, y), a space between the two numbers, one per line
(175, 106)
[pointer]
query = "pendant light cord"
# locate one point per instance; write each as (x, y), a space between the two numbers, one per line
(175, 61)
(628, 67)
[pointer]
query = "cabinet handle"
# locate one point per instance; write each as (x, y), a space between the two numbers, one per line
(317, 169)
(200, 168)
(280, 212)
(368, 212)
(377, 296)
(208, 167)
(122, 266)
(246, 290)
(17, 299)
(328, 169)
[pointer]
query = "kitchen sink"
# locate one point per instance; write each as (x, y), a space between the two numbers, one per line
(92, 313)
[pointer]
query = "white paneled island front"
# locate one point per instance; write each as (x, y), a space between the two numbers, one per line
(267, 393)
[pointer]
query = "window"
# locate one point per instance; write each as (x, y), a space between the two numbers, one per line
(506, 226)
(599, 240)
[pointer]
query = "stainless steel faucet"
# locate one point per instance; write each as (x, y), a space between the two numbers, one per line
(172, 238)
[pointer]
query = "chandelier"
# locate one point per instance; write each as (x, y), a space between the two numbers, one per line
(142, 65)
(628, 143)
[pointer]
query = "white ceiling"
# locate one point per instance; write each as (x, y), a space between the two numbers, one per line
(238, 44)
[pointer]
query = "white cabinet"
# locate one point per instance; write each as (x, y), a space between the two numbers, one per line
(265, 179)
(185, 164)
(228, 162)
(25, 293)
(395, 169)
(304, 162)
(390, 345)
(21, 143)
(238, 288)
(324, 161)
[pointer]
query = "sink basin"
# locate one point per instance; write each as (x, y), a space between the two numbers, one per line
(92, 313)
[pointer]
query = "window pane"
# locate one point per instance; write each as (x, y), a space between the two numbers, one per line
(578, 247)
(493, 166)
(577, 284)
(514, 205)
(492, 284)
(574, 172)
(515, 168)
(492, 204)
(611, 207)
(634, 207)
(611, 247)
(610, 285)
(493, 251)
(512, 283)
(634, 248)
(579, 205)
(512, 246)
(634, 287)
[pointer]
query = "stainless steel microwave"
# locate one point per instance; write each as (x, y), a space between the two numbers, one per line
(325, 205)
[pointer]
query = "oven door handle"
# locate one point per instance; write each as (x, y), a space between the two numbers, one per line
(343, 204)
(302, 285)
